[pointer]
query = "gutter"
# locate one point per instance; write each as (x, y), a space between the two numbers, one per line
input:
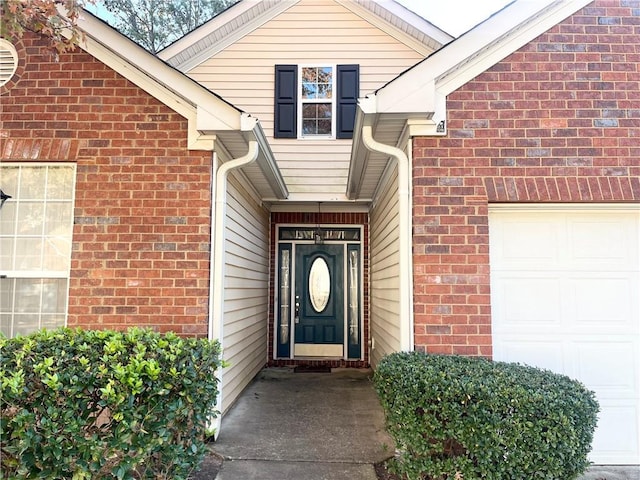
(216, 267)
(404, 235)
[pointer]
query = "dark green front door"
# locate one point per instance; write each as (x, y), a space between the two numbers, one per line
(319, 300)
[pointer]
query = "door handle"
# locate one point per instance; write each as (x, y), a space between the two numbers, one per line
(297, 310)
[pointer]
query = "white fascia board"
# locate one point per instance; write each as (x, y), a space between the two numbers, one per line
(236, 33)
(204, 111)
(207, 29)
(474, 52)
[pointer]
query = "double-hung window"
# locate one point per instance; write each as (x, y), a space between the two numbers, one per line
(36, 224)
(315, 101)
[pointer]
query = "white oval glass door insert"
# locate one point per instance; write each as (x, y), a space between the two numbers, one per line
(319, 284)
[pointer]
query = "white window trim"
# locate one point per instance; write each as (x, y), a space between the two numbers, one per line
(334, 70)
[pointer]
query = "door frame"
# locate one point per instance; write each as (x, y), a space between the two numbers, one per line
(277, 290)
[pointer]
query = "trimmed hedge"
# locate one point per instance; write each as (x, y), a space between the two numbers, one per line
(102, 404)
(458, 418)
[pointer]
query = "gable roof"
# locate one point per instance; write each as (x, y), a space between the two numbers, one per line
(213, 123)
(414, 103)
(248, 15)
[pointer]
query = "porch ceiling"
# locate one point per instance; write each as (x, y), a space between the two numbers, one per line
(263, 174)
(367, 168)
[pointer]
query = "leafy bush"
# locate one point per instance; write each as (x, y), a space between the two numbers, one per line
(101, 404)
(469, 418)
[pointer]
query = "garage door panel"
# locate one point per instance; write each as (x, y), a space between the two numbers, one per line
(574, 306)
(605, 243)
(616, 438)
(520, 300)
(538, 238)
(605, 299)
(607, 367)
(535, 352)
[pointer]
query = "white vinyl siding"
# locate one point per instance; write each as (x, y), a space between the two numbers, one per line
(246, 290)
(385, 280)
(243, 74)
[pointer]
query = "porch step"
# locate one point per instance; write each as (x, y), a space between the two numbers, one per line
(284, 470)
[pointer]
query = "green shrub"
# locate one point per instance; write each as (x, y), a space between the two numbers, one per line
(469, 418)
(101, 404)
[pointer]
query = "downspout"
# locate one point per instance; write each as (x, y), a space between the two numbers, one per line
(216, 269)
(404, 234)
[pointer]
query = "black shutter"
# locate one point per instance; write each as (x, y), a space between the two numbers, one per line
(286, 102)
(348, 86)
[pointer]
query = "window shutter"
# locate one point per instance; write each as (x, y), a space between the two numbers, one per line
(348, 87)
(286, 102)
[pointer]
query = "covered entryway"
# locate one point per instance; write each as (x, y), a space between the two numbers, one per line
(565, 287)
(318, 297)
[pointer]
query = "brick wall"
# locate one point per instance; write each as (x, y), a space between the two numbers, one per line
(142, 209)
(557, 121)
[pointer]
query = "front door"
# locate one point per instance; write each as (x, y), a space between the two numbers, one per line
(319, 300)
(319, 293)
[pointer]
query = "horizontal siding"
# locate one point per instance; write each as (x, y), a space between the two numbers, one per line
(384, 273)
(309, 32)
(246, 291)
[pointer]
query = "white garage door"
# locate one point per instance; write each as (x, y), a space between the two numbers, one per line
(565, 294)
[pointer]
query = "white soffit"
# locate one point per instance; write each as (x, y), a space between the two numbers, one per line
(222, 31)
(248, 15)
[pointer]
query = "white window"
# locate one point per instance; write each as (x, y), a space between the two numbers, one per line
(36, 225)
(317, 105)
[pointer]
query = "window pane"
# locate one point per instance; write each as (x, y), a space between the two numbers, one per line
(5, 324)
(28, 254)
(309, 90)
(325, 75)
(54, 295)
(6, 295)
(56, 256)
(60, 182)
(27, 304)
(24, 324)
(324, 127)
(309, 110)
(32, 183)
(28, 292)
(324, 90)
(309, 74)
(308, 127)
(8, 218)
(30, 218)
(51, 321)
(323, 110)
(6, 253)
(9, 180)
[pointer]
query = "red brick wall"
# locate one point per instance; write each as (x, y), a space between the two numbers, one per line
(298, 218)
(557, 121)
(142, 229)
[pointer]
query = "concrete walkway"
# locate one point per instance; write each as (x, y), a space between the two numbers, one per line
(312, 426)
(316, 426)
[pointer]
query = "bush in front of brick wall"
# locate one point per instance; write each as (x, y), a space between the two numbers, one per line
(102, 404)
(456, 417)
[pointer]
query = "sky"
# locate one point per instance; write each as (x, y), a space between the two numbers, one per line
(454, 16)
